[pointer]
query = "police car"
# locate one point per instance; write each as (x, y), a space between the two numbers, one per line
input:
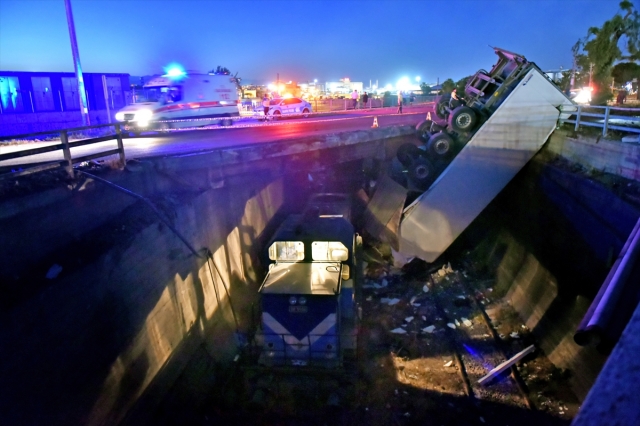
(283, 107)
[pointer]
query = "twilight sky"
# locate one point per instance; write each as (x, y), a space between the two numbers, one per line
(300, 39)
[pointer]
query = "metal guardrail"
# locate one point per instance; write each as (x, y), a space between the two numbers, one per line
(606, 117)
(65, 145)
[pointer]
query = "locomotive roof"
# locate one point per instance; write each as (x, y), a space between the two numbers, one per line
(317, 278)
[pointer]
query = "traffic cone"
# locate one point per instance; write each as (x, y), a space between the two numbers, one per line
(429, 115)
(375, 122)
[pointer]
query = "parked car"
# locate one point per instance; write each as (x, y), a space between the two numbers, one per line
(283, 107)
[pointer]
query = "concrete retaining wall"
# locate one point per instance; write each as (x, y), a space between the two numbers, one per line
(549, 238)
(615, 157)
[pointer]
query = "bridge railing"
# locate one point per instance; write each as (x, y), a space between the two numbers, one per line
(607, 118)
(82, 136)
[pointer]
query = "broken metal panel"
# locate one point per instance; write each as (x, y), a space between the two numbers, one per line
(384, 210)
(496, 153)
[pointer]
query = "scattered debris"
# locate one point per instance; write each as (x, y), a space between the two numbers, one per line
(388, 301)
(429, 329)
(425, 288)
(457, 323)
(451, 325)
(448, 364)
(408, 319)
(514, 335)
(466, 322)
(399, 259)
(399, 331)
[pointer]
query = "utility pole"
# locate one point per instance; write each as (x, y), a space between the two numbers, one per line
(82, 95)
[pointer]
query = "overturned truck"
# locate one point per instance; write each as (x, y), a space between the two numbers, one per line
(476, 145)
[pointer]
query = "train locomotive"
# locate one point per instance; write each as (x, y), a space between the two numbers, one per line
(308, 309)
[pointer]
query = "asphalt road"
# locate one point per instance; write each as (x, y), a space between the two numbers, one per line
(244, 132)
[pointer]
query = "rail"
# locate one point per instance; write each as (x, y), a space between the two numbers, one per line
(586, 117)
(66, 146)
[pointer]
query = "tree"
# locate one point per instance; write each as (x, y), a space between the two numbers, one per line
(461, 84)
(602, 48)
(448, 86)
(426, 89)
(624, 72)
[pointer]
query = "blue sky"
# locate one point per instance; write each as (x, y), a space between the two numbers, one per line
(300, 40)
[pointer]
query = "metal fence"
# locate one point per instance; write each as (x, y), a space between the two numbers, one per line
(84, 136)
(346, 103)
(607, 119)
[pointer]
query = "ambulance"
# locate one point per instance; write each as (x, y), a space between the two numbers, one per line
(183, 99)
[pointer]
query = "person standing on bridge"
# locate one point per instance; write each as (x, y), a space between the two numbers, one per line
(354, 98)
(399, 102)
(265, 105)
(365, 99)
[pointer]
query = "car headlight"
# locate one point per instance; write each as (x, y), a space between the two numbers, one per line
(120, 116)
(144, 114)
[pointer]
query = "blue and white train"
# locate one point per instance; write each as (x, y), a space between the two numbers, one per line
(308, 308)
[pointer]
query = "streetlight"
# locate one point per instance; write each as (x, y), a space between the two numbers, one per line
(82, 95)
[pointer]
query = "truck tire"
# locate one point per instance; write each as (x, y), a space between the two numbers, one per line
(305, 113)
(277, 115)
(406, 153)
(440, 146)
(423, 128)
(421, 173)
(463, 119)
(442, 105)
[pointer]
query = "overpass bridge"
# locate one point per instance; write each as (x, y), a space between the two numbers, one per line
(132, 310)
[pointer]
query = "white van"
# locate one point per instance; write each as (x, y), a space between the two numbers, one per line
(186, 100)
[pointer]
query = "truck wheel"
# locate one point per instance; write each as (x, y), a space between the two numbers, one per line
(463, 119)
(442, 105)
(406, 153)
(421, 172)
(276, 115)
(305, 113)
(440, 146)
(423, 128)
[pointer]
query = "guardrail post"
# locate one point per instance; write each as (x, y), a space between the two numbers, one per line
(120, 145)
(66, 150)
(605, 128)
(578, 118)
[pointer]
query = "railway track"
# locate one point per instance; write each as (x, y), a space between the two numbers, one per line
(437, 333)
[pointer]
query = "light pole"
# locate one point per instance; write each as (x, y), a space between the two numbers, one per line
(84, 111)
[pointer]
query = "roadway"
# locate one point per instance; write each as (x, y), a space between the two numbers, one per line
(244, 132)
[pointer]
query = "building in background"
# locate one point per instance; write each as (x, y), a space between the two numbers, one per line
(23, 92)
(343, 87)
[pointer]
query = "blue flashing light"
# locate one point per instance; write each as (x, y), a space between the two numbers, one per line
(174, 71)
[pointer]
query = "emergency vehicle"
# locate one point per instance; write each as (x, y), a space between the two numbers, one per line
(185, 99)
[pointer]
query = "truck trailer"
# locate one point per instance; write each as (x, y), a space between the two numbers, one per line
(478, 144)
